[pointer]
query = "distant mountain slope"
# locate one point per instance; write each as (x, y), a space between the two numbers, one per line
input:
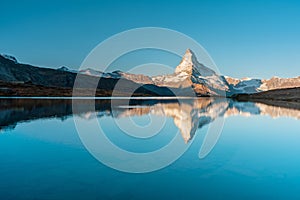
(253, 85)
(280, 83)
(11, 71)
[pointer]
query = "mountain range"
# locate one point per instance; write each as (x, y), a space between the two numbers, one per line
(190, 78)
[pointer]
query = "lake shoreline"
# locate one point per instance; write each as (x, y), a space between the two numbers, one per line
(289, 97)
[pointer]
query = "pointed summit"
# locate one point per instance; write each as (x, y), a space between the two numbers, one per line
(189, 52)
(189, 64)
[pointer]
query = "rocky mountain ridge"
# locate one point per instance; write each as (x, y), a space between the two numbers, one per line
(190, 78)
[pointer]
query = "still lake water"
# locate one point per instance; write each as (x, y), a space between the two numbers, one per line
(255, 155)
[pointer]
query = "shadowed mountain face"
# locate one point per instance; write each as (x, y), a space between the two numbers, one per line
(26, 80)
(188, 114)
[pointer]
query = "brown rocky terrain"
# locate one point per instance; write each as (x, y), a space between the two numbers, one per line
(280, 83)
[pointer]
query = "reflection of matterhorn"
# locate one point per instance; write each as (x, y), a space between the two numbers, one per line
(192, 114)
(188, 115)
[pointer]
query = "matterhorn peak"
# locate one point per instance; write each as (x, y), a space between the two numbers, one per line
(190, 65)
(189, 52)
(187, 62)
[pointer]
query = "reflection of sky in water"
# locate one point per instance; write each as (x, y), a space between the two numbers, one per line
(139, 145)
(255, 156)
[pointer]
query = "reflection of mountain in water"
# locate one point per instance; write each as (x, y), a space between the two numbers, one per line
(188, 114)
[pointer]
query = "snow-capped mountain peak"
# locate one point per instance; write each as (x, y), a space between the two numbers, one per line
(190, 65)
(187, 62)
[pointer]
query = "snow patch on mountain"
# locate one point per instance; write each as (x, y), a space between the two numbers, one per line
(254, 85)
(247, 85)
(66, 69)
(96, 73)
(9, 57)
(170, 78)
(280, 83)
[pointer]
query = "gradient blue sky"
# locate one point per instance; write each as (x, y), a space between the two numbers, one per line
(245, 38)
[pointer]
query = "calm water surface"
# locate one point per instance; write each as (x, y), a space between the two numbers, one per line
(256, 155)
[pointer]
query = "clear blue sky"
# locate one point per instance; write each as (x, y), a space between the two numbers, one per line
(245, 38)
